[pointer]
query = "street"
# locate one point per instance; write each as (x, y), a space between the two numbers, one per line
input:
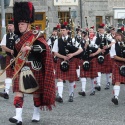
(89, 110)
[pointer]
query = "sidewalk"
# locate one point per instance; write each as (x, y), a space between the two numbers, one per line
(2, 77)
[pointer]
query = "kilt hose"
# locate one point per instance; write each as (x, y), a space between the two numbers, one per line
(69, 75)
(116, 77)
(107, 65)
(92, 72)
(9, 71)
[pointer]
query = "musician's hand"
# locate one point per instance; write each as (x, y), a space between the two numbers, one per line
(65, 58)
(105, 47)
(103, 51)
(92, 55)
(12, 52)
(24, 49)
(86, 45)
(70, 55)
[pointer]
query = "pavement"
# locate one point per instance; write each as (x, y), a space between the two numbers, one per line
(89, 110)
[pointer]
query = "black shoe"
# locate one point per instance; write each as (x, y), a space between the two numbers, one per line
(34, 120)
(92, 93)
(107, 86)
(70, 99)
(82, 93)
(64, 81)
(13, 120)
(115, 101)
(59, 99)
(98, 88)
(4, 95)
(122, 83)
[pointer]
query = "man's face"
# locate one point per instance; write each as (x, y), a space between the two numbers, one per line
(91, 30)
(64, 32)
(118, 37)
(55, 32)
(79, 33)
(23, 27)
(101, 30)
(112, 31)
(11, 27)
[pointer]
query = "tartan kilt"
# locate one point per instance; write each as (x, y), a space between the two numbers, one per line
(116, 77)
(79, 62)
(99, 66)
(107, 65)
(9, 71)
(92, 73)
(53, 61)
(38, 75)
(71, 74)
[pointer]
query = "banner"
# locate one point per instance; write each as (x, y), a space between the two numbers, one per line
(65, 2)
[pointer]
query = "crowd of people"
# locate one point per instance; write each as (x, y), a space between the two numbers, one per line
(35, 62)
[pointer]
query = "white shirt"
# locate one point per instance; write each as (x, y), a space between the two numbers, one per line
(112, 51)
(3, 42)
(49, 41)
(55, 46)
(110, 38)
(93, 40)
(76, 44)
(65, 37)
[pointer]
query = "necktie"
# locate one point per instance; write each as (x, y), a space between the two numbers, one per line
(64, 39)
(11, 36)
(121, 44)
(101, 37)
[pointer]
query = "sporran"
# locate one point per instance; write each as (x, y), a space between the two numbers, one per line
(27, 81)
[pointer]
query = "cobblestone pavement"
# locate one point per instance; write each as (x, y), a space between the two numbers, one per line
(89, 110)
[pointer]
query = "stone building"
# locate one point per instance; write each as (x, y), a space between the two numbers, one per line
(86, 13)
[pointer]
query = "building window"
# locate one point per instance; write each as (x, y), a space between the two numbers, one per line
(64, 17)
(8, 16)
(39, 16)
(98, 21)
(40, 21)
(121, 22)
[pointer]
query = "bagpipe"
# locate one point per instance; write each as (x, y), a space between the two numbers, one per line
(64, 66)
(101, 57)
(69, 48)
(52, 41)
(122, 68)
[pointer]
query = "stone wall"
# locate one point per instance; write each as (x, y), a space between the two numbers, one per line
(90, 9)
